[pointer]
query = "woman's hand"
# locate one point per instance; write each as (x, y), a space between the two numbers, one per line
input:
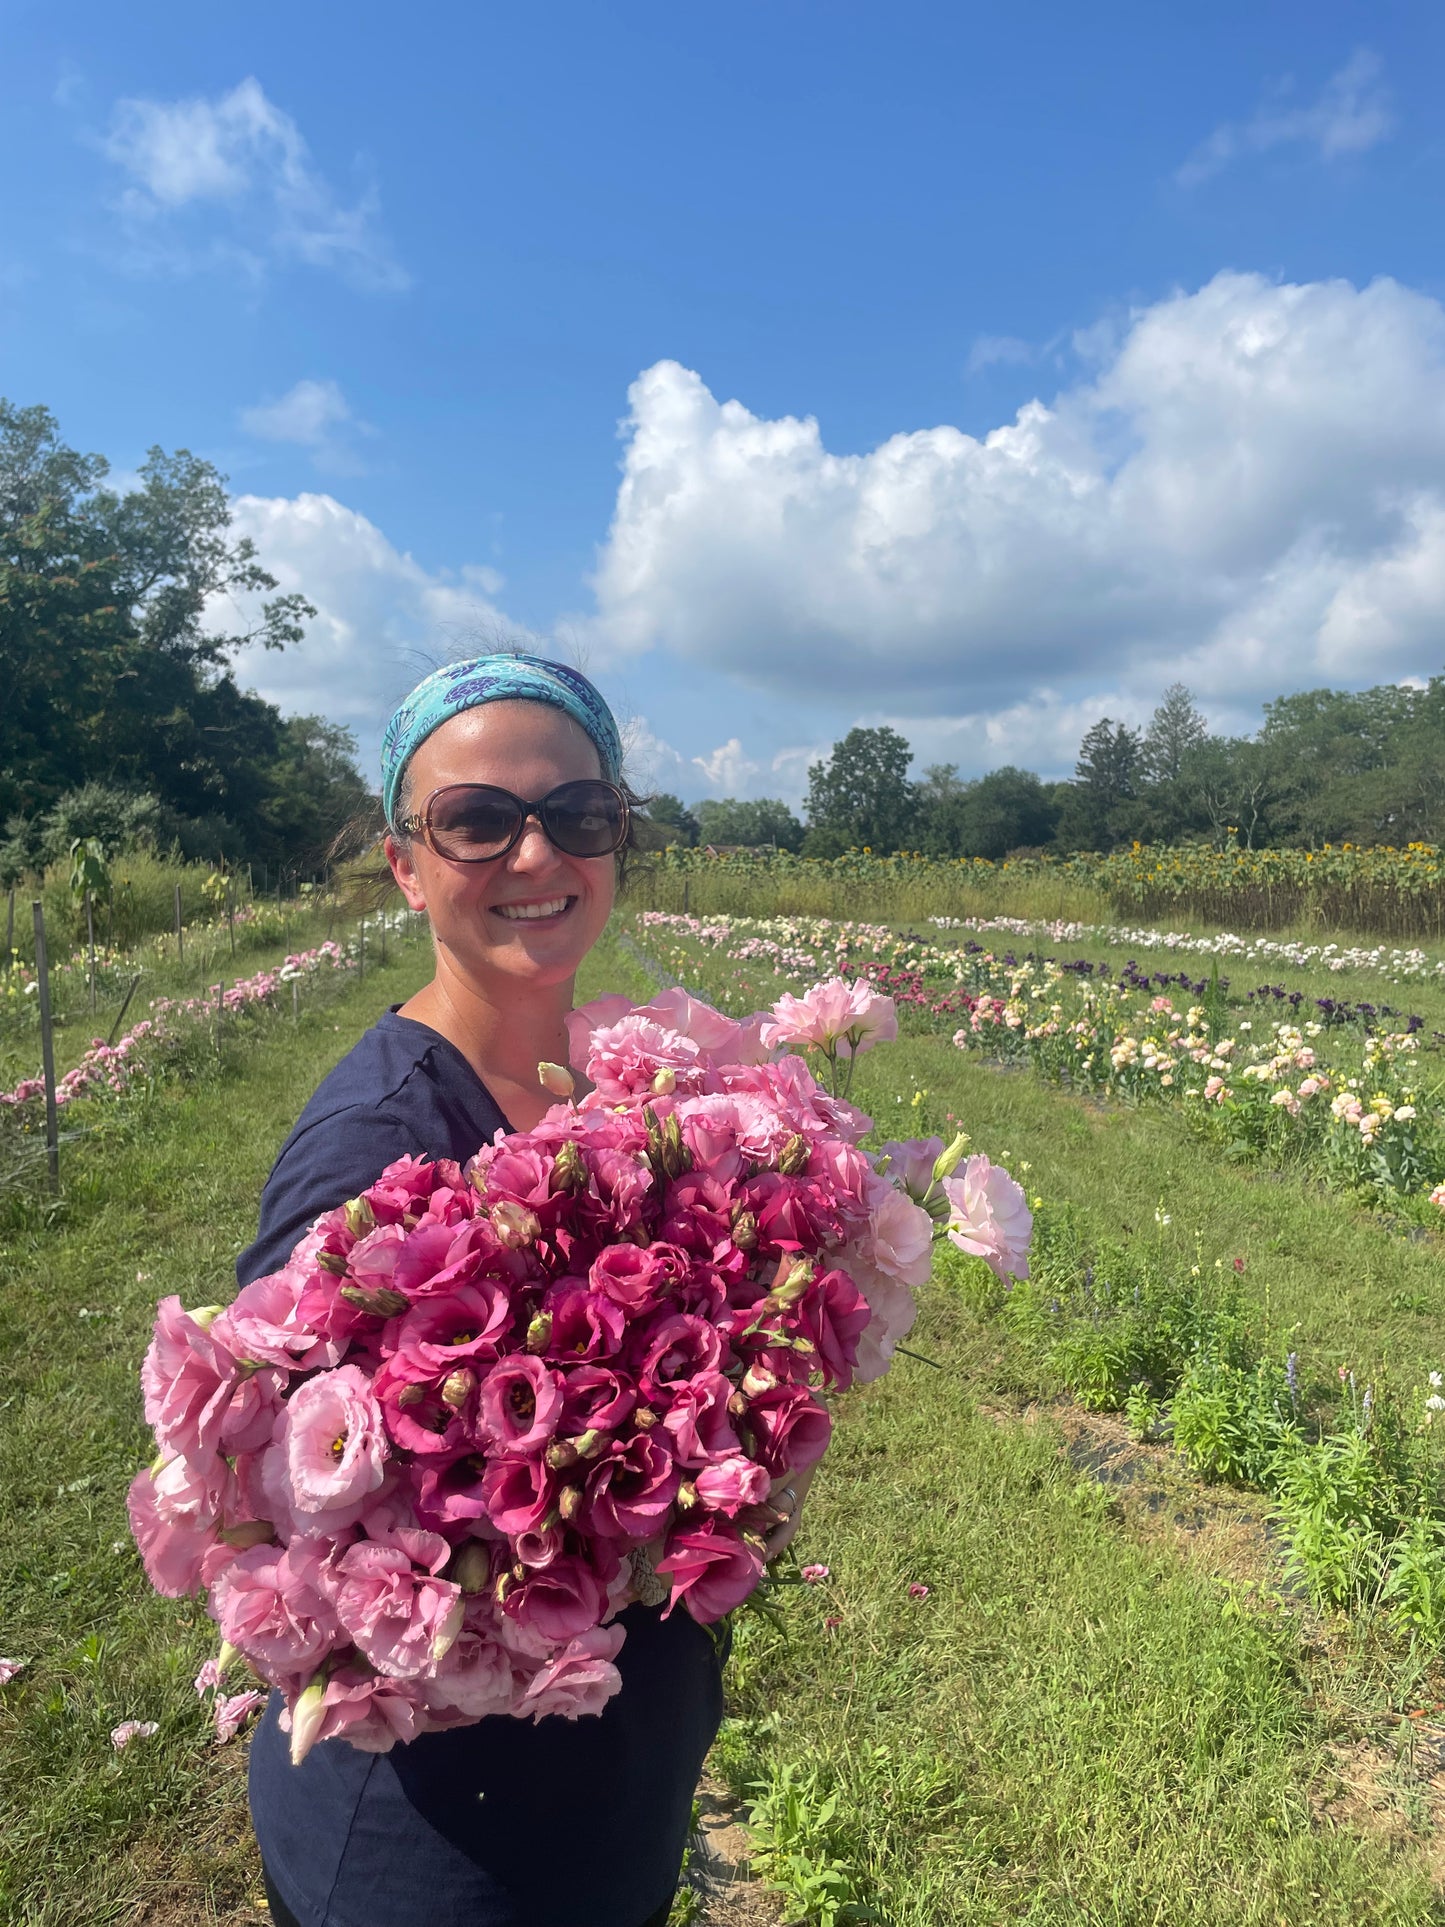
(786, 1500)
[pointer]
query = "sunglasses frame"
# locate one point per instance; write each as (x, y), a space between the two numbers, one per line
(419, 823)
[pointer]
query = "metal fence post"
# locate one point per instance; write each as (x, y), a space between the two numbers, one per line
(47, 1047)
(180, 940)
(90, 947)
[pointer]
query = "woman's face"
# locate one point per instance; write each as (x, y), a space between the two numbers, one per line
(476, 909)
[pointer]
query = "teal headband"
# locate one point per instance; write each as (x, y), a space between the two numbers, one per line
(493, 679)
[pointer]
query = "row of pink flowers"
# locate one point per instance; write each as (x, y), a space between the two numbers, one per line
(113, 1069)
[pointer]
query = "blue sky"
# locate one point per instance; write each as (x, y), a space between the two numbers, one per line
(976, 370)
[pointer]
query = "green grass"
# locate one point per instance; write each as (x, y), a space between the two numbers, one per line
(1075, 1726)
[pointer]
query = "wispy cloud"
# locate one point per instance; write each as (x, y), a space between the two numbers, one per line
(240, 155)
(314, 415)
(988, 351)
(1351, 114)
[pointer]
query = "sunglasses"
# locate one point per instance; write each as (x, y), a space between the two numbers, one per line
(476, 822)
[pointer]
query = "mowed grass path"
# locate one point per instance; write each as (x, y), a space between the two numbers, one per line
(1073, 1726)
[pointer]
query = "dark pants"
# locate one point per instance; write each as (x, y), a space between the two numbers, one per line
(282, 1916)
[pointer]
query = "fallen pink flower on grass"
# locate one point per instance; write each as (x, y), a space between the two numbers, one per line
(815, 1575)
(128, 1730)
(917, 1591)
(832, 1622)
(208, 1680)
(233, 1713)
(9, 1668)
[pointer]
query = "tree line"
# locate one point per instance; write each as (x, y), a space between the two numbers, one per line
(121, 718)
(1326, 766)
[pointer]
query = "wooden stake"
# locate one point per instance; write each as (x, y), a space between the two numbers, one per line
(115, 1027)
(90, 943)
(180, 940)
(231, 914)
(10, 934)
(47, 1047)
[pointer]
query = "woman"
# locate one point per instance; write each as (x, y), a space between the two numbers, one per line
(501, 787)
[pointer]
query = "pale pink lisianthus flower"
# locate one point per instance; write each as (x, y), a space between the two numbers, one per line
(232, 1713)
(580, 1680)
(334, 1440)
(270, 1604)
(402, 1615)
(891, 1307)
(901, 1233)
(128, 1730)
(208, 1680)
(815, 1575)
(9, 1668)
(910, 1164)
(989, 1217)
(834, 1015)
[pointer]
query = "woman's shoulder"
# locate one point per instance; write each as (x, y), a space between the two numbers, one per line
(401, 1091)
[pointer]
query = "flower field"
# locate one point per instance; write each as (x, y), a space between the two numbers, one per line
(1395, 893)
(1117, 1599)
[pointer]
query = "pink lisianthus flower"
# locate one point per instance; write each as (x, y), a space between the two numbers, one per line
(209, 1679)
(630, 1489)
(727, 1485)
(910, 1164)
(627, 1059)
(9, 1668)
(600, 1014)
(392, 1601)
(263, 1323)
(179, 1556)
(892, 1311)
(271, 1605)
(477, 1674)
(128, 1730)
(845, 1018)
(989, 1217)
(334, 1443)
(900, 1234)
(371, 1710)
(815, 1575)
(579, 1681)
(197, 1396)
(232, 1713)
(832, 1315)
(711, 1566)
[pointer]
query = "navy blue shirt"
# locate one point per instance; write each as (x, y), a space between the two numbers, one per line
(505, 1823)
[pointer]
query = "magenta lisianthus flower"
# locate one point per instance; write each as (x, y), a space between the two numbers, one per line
(585, 1324)
(989, 1217)
(232, 1713)
(521, 1403)
(579, 1682)
(727, 1485)
(334, 1441)
(561, 1600)
(416, 1415)
(711, 1567)
(698, 1421)
(392, 1601)
(467, 1324)
(519, 1494)
(631, 1487)
(917, 1591)
(832, 1315)
(791, 1428)
(596, 1398)
(272, 1605)
(678, 1349)
(630, 1276)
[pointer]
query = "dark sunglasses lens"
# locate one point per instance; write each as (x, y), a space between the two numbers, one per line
(585, 819)
(469, 822)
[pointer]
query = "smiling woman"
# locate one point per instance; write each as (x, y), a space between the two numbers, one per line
(506, 814)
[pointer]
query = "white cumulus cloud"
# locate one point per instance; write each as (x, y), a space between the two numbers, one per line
(1350, 114)
(1248, 490)
(314, 415)
(241, 154)
(383, 620)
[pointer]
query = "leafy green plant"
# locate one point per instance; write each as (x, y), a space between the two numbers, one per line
(1414, 1582)
(794, 1831)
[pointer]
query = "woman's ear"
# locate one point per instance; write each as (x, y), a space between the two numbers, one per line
(399, 858)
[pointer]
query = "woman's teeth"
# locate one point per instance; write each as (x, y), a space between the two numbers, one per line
(526, 912)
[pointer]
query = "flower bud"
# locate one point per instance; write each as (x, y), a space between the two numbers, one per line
(381, 1301)
(757, 1378)
(569, 1173)
(676, 1158)
(590, 1442)
(947, 1162)
(556, 1079)
(471, 1566)
(514, 1224)
(226, 1657)
(664, 1082)
(561, 1454)
(333, 1262)
(644, 1418)
(445, 1636)
(251, 1532)
(539, 1332)
(458, 1386)
(360, 1218)
(206, 1315)
(569, 1503)
(306, 1717)
(737, 1405)
(744, 1229)
(791, 1288)
(410, 1395)
(504, 1585)
(687, 1496)
(796, 1153)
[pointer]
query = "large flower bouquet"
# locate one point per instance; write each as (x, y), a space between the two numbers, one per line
(421, 1468)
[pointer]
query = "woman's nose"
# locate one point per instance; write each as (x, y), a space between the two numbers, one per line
(534, 849)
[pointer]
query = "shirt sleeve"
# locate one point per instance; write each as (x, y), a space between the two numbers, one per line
(329, 1162)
